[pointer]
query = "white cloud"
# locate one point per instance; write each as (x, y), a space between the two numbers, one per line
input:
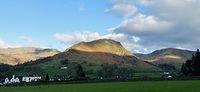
(129, 42)
(144, 2)
(125, 10)
(4, 44)
(26, 39)
(164, 23)
(76, 37)
(141, 24)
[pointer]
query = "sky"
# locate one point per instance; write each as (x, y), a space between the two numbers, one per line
(141, 26)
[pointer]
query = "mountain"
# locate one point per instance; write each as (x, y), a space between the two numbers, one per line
(13, 56)
(105, 50)
(98, 58)
(168, 55)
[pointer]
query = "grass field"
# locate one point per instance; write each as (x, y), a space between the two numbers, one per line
(142, 86)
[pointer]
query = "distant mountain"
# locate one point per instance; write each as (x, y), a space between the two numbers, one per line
(13, 56)
(169, 55)
(105, 50)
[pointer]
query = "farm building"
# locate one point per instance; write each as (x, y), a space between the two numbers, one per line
(12, 80)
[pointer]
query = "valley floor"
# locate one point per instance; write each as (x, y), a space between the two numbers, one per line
(140, 86)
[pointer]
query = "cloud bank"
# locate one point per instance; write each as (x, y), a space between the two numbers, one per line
(165, 23)
(148, 25)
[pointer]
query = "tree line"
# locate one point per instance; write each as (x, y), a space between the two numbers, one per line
(192, 66)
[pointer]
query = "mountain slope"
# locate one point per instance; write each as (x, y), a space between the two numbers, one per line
(13, 56)
(102, 45)
(102, 50)
(169, 55)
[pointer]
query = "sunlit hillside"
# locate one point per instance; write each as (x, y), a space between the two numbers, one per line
(14, 56)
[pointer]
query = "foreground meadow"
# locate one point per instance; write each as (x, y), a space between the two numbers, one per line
(142, 86)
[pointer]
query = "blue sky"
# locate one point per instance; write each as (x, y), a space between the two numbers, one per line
(41, 19)
(140, 25)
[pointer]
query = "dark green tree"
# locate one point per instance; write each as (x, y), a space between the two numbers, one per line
(79, 71)
(167, 66)
(196, 63)
(4, 67)
(189, 67)
(184, 69)
(108, 70)
(64, 62)
(47, 77)
(192, 67)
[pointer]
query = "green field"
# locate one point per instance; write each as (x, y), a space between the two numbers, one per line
(142, 86)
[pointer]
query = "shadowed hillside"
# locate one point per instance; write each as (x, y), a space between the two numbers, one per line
(13, 56)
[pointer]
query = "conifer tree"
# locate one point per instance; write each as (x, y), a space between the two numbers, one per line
(196, 62)
(192, 67)
(47, 77)
(184, 69)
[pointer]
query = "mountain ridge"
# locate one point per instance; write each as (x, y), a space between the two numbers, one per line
(13, 56)
(167, 55)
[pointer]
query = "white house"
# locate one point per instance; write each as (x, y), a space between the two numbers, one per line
(31, 79)
(6, 81)
(166, 75)
(12, 80)
(64, 67)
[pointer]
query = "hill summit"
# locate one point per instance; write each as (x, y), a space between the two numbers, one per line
(105, 50)
(102, 45)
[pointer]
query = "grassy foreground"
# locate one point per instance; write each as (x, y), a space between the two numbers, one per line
(143, 86)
